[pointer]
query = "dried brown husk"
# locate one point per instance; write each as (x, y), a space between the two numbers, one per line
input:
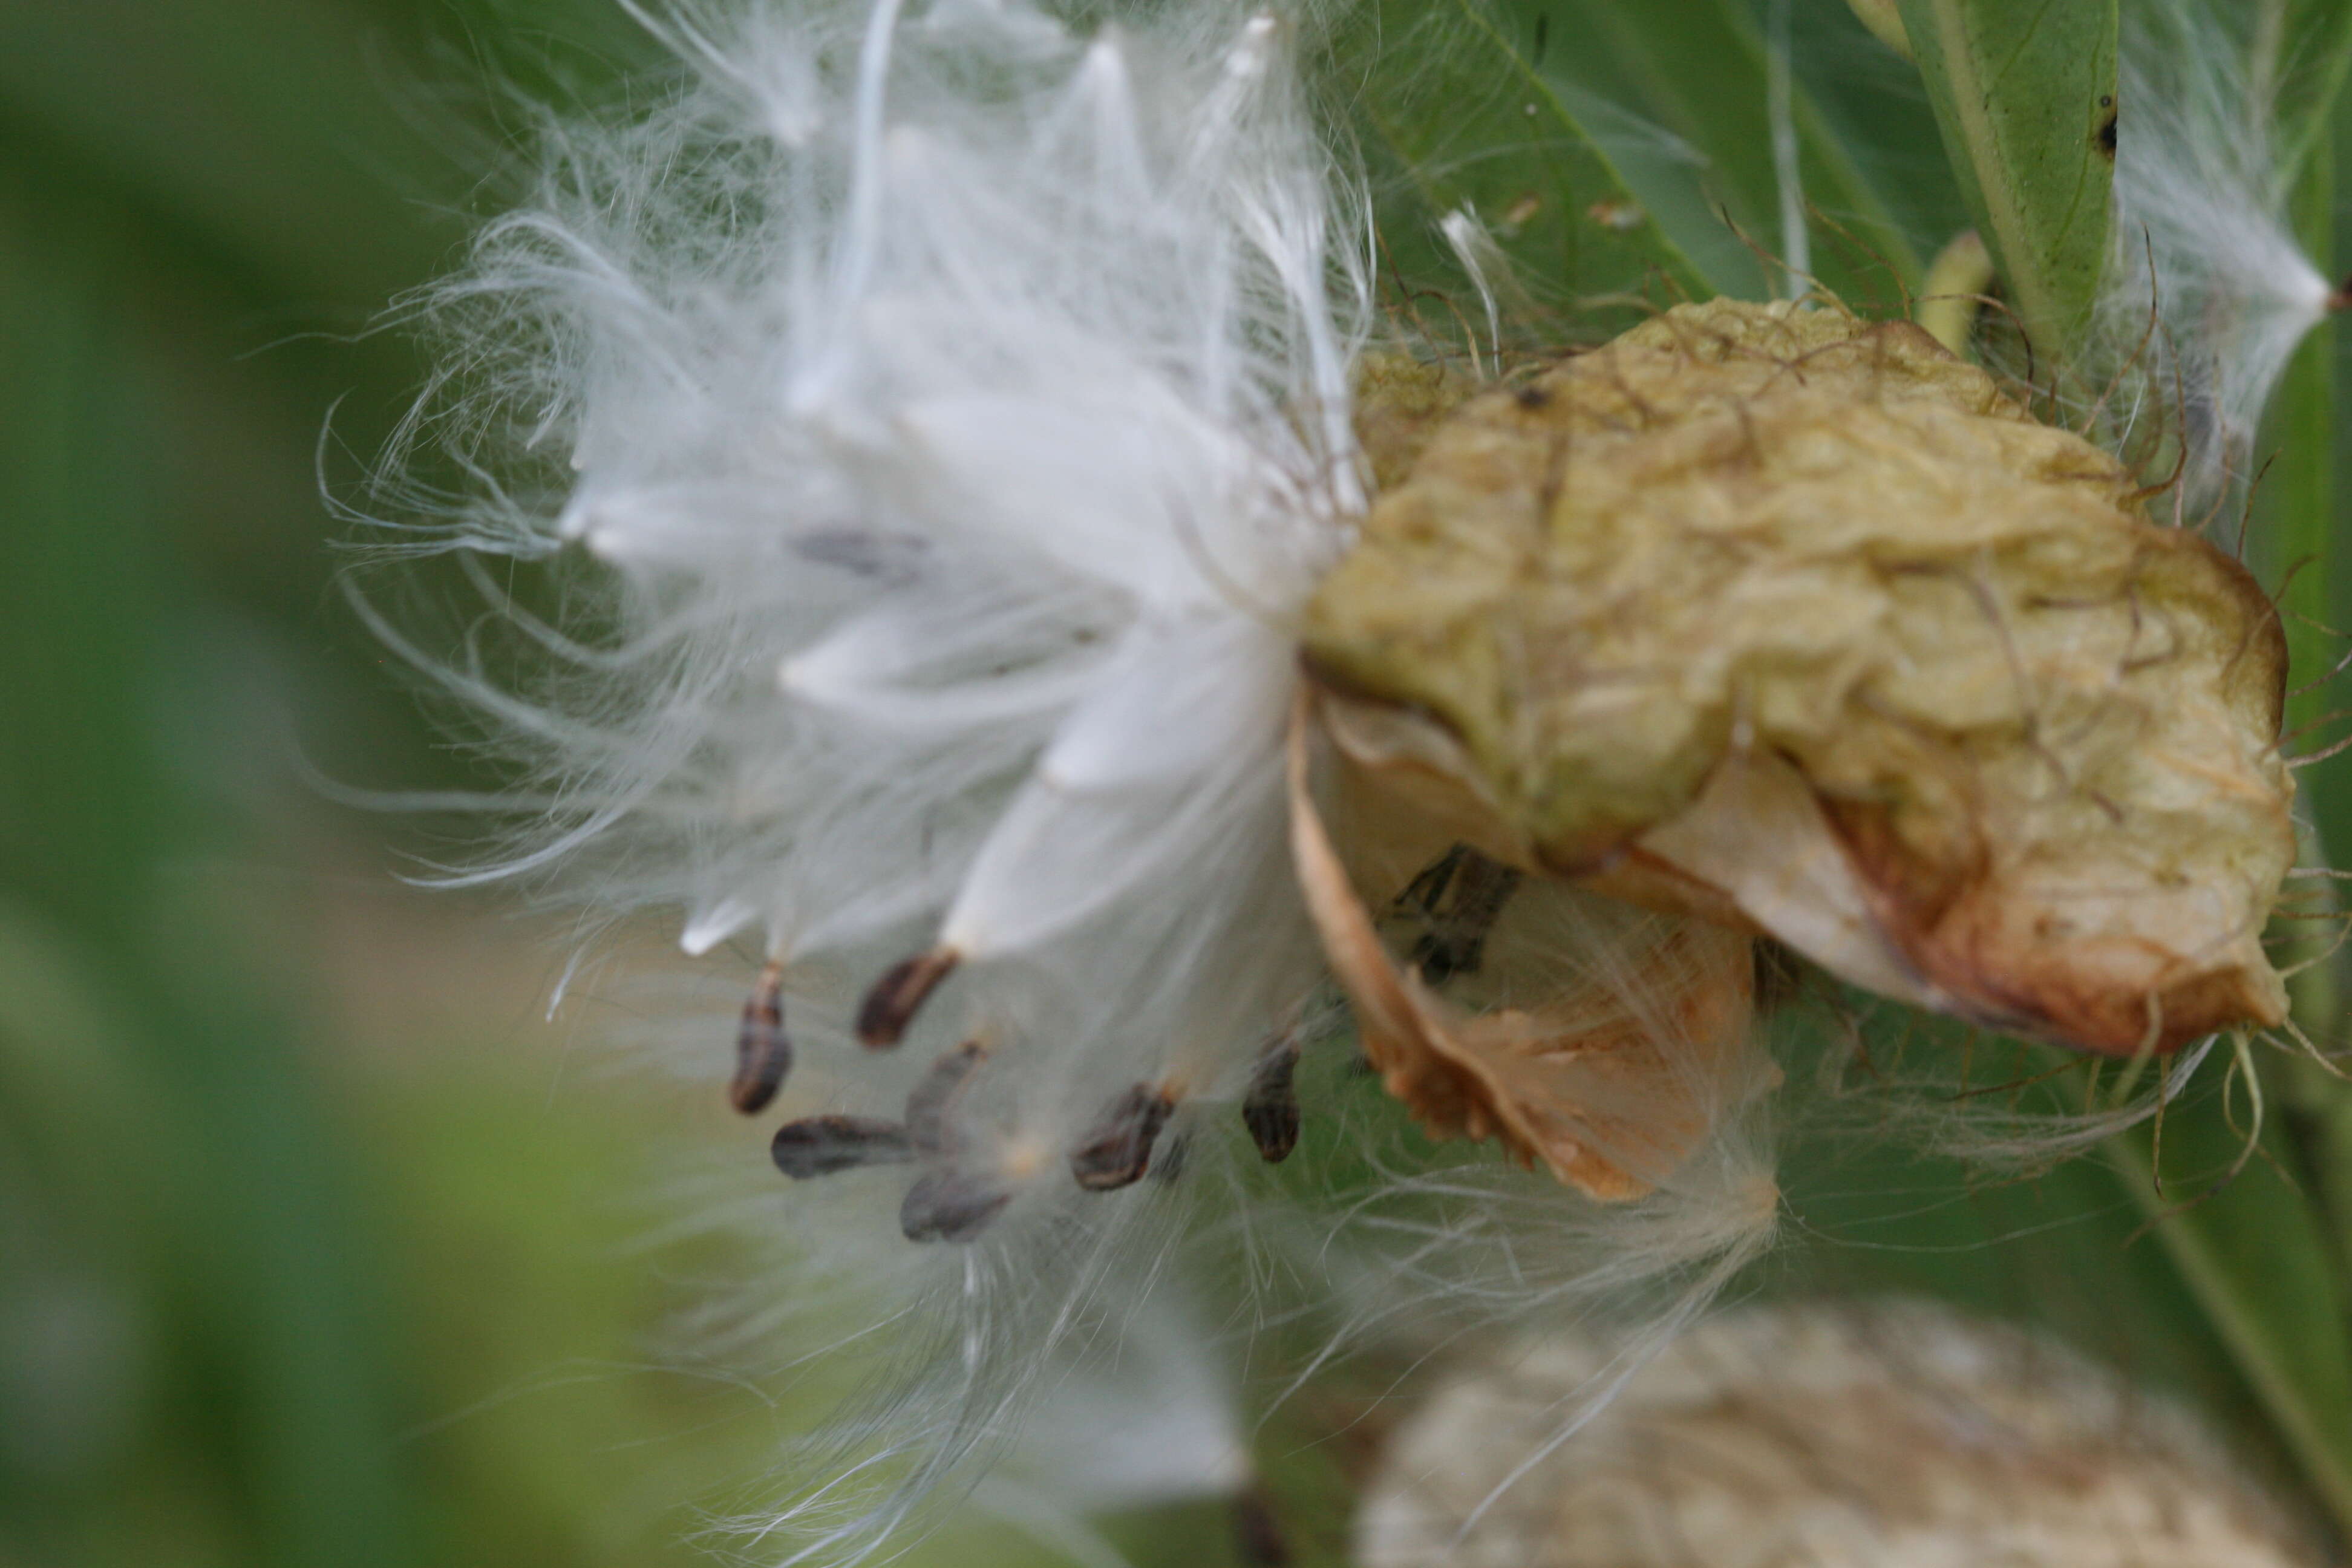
(1792, 621)
(1603, 1040)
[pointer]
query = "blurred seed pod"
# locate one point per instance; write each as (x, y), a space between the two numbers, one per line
(1798, 624)
(1605, 1041)
(1815, 1437)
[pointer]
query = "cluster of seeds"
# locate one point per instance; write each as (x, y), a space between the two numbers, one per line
(955, 1199)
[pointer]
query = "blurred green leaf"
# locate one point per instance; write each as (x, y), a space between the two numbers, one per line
(2297, 506)
(1611, 148)
(2248, 1243)
(1459, 115)
(269, 1349)
(1701, 71)
(2304, 49)
(1884, 19)
(2025, 93)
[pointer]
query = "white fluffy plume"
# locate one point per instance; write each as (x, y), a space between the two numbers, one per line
(957, 405)
(2207, 293)
(933, 385)
(934, 416)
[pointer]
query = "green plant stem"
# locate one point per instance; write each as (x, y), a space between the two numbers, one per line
(2263, 1298)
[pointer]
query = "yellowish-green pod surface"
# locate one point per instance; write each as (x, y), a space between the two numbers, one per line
(1798, 622)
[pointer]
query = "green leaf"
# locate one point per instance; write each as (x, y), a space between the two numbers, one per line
(2251, 1248)
(1458, 114)
(2303, 49)
(1885, 20)
(2296, 505)
(2297, 498)
(2023, 90)
(1614, 150)
(280, 1375)
(1701, 72)
(1870, 101)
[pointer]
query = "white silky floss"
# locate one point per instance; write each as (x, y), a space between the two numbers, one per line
(2206, 294)
(961, 406)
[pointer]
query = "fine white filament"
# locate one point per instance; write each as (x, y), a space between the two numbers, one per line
(2207, 294)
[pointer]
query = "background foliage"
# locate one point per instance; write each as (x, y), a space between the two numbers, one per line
(316, 1246)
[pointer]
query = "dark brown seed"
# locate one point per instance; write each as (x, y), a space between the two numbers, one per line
(763, 1053)
(1117, 1150)
(820, 1145)
(1459, 899)
(1259, 1541)
(949, 1204)
(891, 1006)
(1426, 892)
(1270, 1105)
(931, 1104)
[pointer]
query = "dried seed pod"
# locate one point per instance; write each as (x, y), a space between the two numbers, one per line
(1116, 1149)
(1400, 403)
(1609, 1081)
(763, 1053)
(821, 1145)
(889, 1008)
(931, 1104)
(1270, 1104)
(1849, 1433)
(951, 1204)
(1797, 621)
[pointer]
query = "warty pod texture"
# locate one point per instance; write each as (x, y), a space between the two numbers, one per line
(1818, 1435)
(1777, 617)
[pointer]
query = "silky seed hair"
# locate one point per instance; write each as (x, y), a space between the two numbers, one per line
(2207, 293)
(932, 417)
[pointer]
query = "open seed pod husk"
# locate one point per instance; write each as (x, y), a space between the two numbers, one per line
(1782, 619)
(1602, 1040)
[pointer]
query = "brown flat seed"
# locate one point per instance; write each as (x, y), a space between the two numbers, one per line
(949, 1204)
(1259, 1539)
(931, 1104)
(1117, 1150)
(763, 1053)
(891, 1006)
(1458, 898)
(1270, 1105)
(821, 1145)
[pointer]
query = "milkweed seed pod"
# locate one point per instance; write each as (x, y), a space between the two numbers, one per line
(1816, 1436)
(1605, 1041)
(1777, 617)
